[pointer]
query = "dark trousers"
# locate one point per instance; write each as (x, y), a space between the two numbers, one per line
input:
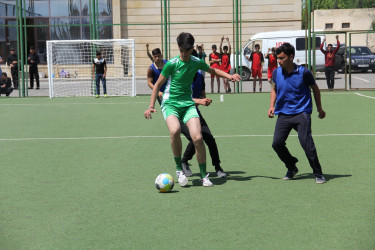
(208, 139)
(14, 72)
(302, 124)
(97, 81)
(6, 91)
(330, 75)
(33, 71)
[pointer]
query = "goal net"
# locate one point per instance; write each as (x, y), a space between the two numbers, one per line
(70, 64)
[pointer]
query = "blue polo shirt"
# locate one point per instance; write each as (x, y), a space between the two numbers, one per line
(293, 94)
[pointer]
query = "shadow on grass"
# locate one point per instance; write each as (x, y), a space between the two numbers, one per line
(327, 176)
(232, 176)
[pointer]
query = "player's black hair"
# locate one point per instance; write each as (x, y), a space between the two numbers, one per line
(156, 51)
(31, 47)
(257, 46)
(225, 47)
(98, 53)
(185, 40)
(214, 46)
(287, 48)
(273, 49)
(4, 74)
(330, 45)
(199, 47)
(12, 49)
(194, 53)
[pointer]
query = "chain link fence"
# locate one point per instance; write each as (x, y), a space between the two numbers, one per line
(157, 23)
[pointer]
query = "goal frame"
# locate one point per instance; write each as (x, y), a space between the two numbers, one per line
(50, 44)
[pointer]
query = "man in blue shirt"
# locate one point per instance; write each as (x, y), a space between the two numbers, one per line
(292, 95)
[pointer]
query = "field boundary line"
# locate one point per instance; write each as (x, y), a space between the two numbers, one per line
(371, 97)
(158, 136)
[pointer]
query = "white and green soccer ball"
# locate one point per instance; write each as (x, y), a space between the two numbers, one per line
(164, 182)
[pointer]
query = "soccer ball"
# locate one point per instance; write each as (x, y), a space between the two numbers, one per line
(164, 182)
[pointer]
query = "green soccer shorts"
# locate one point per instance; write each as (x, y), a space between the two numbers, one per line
(183, 113)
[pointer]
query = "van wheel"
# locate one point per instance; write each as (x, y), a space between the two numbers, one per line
(245, 74)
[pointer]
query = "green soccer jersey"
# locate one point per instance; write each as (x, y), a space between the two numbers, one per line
(178, 89)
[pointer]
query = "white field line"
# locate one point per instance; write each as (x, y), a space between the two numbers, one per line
(371, 97)
(161, 136)
(360, 79)
(53, 104)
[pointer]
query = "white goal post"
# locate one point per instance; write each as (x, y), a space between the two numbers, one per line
(70, 67)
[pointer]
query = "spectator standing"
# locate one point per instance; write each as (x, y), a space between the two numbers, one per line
(257, 60)
(329, 66)
(33, 61)
(272, 62)
(225, 63)
(215, 61)
(99, 71)
(13, 63)
(5, 84)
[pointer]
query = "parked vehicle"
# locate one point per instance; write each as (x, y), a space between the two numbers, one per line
(362, 59)
(275, 39)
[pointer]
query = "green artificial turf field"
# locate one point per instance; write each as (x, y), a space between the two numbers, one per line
(78, 173)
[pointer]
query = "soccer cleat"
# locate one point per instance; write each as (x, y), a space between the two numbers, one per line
(105, 95)
(186, 169)
(206, 182)
(290, 174)
(221, 174)
(320, 179)
(97, 96)
(182, 180)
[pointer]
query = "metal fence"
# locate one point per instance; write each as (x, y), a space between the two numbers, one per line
(159, 25)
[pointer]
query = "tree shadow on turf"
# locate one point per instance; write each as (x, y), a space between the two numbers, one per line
(328, 177)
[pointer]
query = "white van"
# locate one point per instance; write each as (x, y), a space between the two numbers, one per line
(275, 39)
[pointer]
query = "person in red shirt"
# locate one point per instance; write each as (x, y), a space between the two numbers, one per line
(215, 61)
(225, 63)
(329, 68)
(272, 62)
(257, 60)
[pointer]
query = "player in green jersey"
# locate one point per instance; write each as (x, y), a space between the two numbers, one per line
(178, 104)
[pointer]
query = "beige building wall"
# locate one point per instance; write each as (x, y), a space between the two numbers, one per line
(207, 20)
(358, 20)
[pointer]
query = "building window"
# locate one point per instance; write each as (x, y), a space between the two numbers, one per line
(329, 25)
(62, 20)
(345, 25)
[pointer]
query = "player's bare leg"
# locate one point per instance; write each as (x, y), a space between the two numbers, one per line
(260, 84)
(174, 128)
(212, 84)
(254, 83)
(195, 131)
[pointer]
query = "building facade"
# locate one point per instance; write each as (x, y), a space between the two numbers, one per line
(207, 20)
(348, 20)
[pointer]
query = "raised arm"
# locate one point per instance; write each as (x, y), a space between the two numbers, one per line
(148, 53)
(321, 46)
(338, 44)
(229, 47)
(221, 44)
